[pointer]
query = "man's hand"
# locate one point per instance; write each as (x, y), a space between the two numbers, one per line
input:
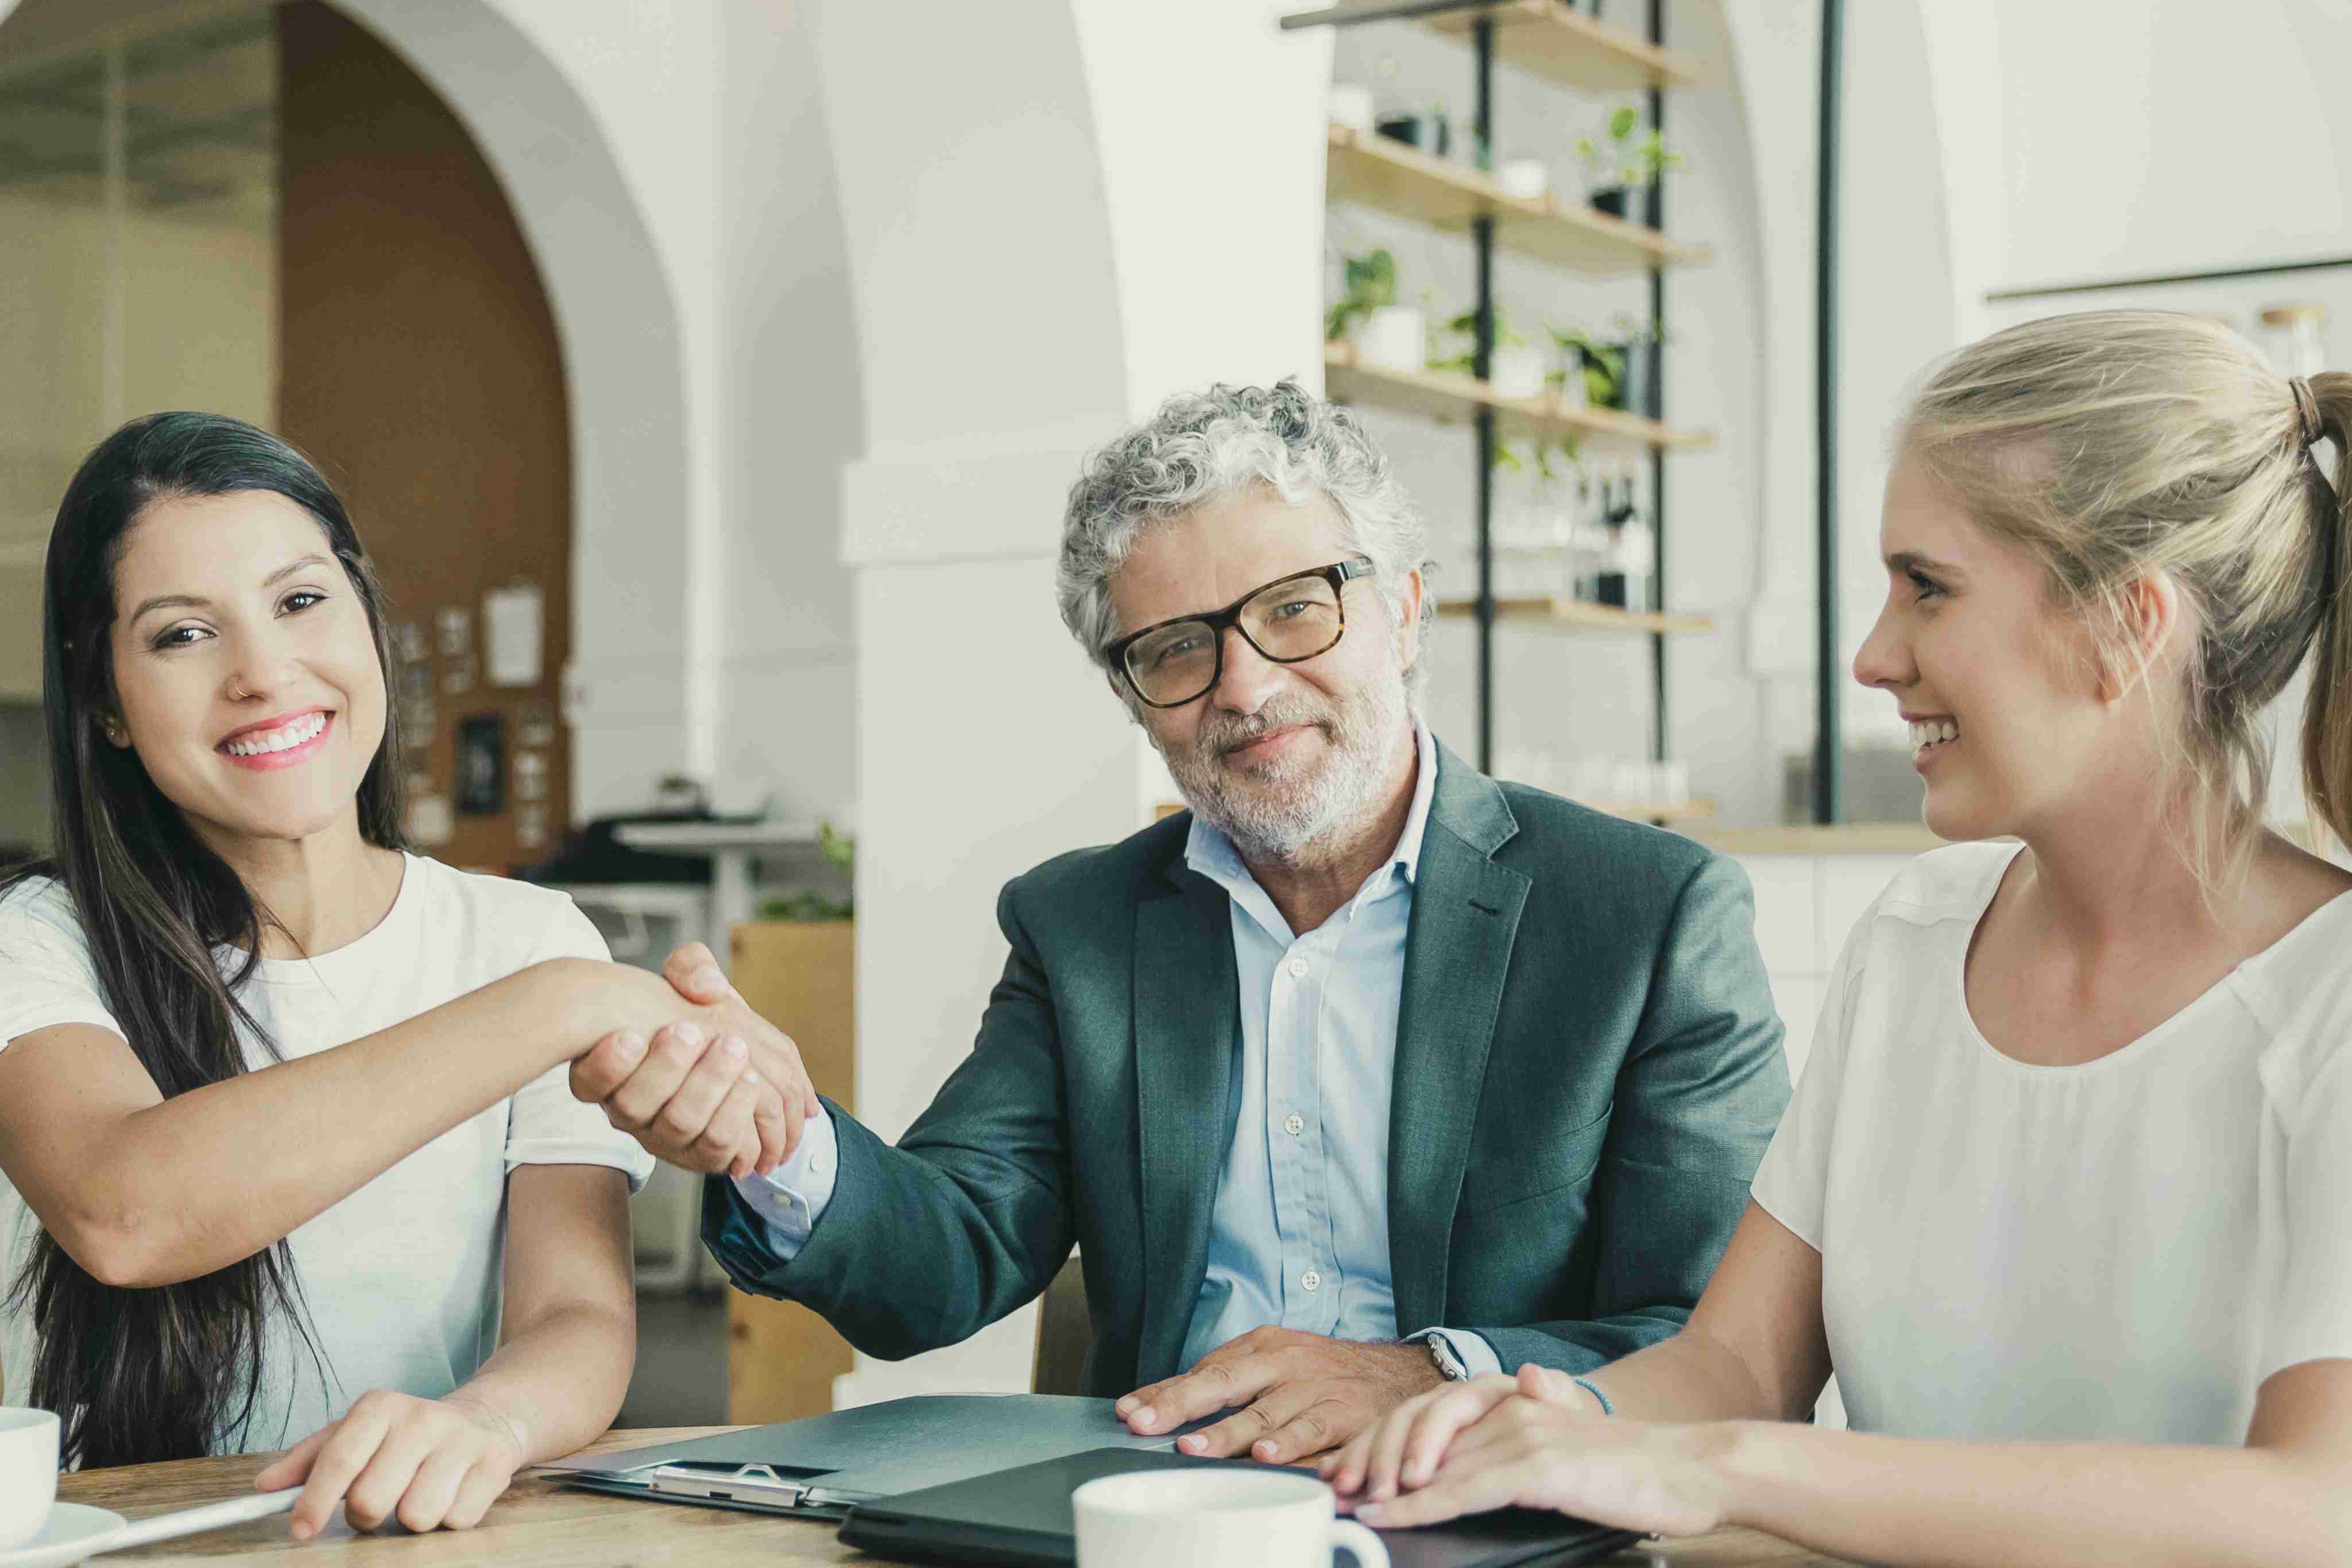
(1299, 1394)
(727, 1093)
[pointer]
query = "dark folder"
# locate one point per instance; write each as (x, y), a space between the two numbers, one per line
(1022, 1518)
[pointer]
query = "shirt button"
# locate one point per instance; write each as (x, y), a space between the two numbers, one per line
(1294, 1123)
(1310, 1281)
(1297, 969)
(820, 1162)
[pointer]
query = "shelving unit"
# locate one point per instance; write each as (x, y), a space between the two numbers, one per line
(1550, 39)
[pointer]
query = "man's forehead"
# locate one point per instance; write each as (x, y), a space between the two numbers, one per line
(1229, 545)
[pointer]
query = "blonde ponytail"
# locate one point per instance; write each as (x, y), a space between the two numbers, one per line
(2327, 714)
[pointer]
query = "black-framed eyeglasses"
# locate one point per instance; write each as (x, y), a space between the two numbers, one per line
(1288, 620)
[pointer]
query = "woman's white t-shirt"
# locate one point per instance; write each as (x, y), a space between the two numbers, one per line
(2122, 1250)
(402, 1278)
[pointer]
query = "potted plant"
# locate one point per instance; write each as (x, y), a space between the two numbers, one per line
(1616, 372)
(1390, 336)
(841, 850)
(1621, 163)
(1514, 369)
(1592, 373)
(1427, 130)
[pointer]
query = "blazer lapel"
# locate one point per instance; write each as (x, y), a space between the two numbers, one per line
(1187, 1017)
(1465, 916)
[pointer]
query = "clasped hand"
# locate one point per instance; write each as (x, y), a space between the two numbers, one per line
(727, 1094)
(1536, 1441)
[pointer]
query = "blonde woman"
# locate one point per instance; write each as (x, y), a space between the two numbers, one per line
(2065, 1196)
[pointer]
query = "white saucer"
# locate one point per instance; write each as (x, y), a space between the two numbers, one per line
(71, 1533)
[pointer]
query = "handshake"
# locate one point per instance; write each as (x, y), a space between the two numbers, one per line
(720, 1090)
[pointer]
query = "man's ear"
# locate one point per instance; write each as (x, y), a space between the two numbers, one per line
(1409, 617)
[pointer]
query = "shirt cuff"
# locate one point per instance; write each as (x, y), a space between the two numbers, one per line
(1476, 1357)
(793, 1199)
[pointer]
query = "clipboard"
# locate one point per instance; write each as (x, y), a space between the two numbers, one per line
(822, 1466)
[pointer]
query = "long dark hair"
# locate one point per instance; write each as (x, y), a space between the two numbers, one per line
(166, 1372)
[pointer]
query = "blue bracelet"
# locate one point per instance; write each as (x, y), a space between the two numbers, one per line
(1606, 1408)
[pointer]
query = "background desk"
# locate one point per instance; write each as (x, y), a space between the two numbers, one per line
(538, 1525)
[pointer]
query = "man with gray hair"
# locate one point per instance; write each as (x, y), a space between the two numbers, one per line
(1366, 1073)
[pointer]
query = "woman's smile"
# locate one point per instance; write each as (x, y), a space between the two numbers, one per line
(287, 741)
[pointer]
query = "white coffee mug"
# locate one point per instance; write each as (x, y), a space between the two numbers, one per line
(28, 1473)
(1215, 1518)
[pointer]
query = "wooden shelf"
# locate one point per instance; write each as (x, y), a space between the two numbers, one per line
(1550, 39)
(1836, 838)
(1446, 396)
(1577, 615)
(1376, 171)
(1697, 809)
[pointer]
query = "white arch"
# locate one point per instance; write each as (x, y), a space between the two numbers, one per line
(637, 646)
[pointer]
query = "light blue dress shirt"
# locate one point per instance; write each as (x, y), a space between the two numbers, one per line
(1299, 1235)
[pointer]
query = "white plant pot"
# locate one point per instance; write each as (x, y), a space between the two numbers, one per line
(1351, 106)
(1517, 372)
(1393, 338)
(1572, 392)
(1526, 178)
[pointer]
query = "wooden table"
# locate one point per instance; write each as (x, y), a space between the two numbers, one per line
(540, 1525)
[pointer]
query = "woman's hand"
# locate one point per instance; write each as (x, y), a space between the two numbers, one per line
(1533, 1448)
(433, 1464)
(1402, 1448)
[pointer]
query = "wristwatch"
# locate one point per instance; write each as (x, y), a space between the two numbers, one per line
(1449, 1366)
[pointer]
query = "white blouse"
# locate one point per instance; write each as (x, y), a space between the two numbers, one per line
(2122, 1250)
(402, 1278)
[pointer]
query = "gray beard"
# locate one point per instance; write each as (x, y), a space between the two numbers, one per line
(1279, 811)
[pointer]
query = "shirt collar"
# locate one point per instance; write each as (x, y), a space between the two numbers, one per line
(1208, 850)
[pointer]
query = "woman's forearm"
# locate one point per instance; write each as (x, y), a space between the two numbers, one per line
(559, 1383)
(2035, 1505)
(303, 1134)
(1690, 1377)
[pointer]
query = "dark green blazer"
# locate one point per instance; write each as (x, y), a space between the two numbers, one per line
(1587, 1071)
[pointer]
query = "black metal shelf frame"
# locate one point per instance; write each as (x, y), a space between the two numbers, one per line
(1483, 237)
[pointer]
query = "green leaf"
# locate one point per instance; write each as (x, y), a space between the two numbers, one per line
(1622, 123)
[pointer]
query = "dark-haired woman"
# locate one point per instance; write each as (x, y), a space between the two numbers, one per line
(288, 1150)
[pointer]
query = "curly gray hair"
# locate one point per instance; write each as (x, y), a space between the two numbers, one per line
(1204, 445)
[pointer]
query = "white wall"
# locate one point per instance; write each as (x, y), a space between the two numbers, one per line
(2152, 136)
(1006, 324)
